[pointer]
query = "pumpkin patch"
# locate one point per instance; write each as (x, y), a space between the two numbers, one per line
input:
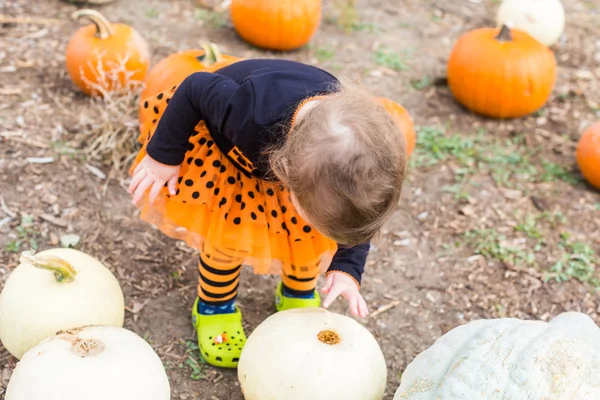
(501, 73)
(478, 280)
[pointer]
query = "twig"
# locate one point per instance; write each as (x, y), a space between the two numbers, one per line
(31, 142)
(6, 209)
(6, 19)
(5, 221)
(385, 308)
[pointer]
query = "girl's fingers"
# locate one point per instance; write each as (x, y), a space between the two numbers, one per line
(137, 178)
(328, 283)
(139, 167)
(334, 292)
(353, 303)
(141, 189)
(154, 192)
(363, 310)
(172, 185)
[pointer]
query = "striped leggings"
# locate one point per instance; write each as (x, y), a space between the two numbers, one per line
(220, 278)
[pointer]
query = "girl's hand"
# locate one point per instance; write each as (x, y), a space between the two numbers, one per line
(339, 283)
(152, 174)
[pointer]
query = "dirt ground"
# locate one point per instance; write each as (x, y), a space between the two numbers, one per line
(495, 219)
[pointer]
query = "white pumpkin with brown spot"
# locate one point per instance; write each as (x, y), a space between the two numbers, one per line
(312, 354)
(92, 363)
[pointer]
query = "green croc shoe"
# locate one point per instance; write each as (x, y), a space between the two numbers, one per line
(283, 303)
(221, 337)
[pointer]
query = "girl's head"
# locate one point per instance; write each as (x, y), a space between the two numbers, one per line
(344, 162)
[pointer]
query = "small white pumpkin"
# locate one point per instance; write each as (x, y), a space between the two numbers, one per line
(91, 363)
(54, 290)
(542, 19)
(509, 359)
(311, 354)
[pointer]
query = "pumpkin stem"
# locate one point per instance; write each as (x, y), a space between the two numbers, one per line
(87, 347)
(104, 29)
(211, 55)
(63, 271)
(504, 35)
(328, 337)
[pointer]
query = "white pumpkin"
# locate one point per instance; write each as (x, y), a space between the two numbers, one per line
(91, 363)
(542, 19)
(311, 354)
(509, 359)
(55, 290)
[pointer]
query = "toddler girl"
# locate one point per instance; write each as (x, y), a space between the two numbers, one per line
(269, 164)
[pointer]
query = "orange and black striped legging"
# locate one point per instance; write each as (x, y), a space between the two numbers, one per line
(220, 278)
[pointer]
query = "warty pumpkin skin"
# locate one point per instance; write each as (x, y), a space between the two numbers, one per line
(104, 57)
(509, 359)
(501, 74)
(276, 24)
(404, 120)
(588, 155)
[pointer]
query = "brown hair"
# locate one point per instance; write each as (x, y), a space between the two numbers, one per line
(344, 161)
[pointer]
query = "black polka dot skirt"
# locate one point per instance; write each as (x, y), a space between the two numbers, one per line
(220, 210)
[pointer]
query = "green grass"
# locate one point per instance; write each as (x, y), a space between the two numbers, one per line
(194, 361)
(26, 235)
(324, 54)
(552, 172)
(577, 261)
(510, 162)
(368, 27)
(526, 247)
(213, 19)
(421, 83)
(391, 59)
(491, 244)
(152, 12)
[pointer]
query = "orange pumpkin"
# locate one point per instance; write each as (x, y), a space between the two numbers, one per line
(104, 57)
(172, 70)
(501, 75)
(588, 155)
(276, 24)
(404, 120)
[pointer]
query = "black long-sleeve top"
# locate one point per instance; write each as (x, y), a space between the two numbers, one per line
(247, 106)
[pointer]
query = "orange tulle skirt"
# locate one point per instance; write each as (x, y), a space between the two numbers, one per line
(222, 211)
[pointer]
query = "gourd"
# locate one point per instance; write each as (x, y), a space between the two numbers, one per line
(276, 25)
(405, 121)
(313, 354)
(588, 155)
(90, 363)
(542, 19)
(54, 290)
(501, 73)
(102, 57)
(509, 358)
(172, 70)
